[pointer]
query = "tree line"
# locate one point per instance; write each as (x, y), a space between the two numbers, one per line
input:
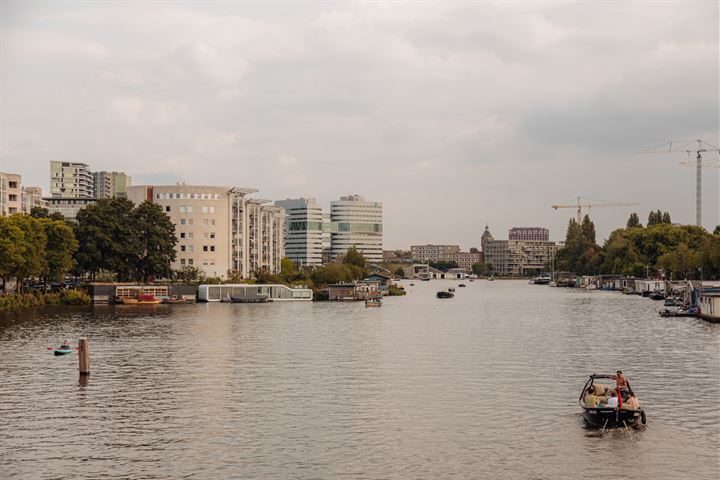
(678, 251)
(113, 235)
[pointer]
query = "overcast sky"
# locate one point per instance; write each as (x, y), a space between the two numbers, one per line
(453, 114)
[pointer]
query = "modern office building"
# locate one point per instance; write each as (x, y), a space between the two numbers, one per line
(517, 257)
(356, 222)
(111, 184)
(220, 230)
(71, 180)
(304, 235)
(10, 194)
(529, 233)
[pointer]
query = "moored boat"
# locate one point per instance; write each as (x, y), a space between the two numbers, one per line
(693, 311)
(177, 300)
(462, 285)
(602, 416)
(443, 294)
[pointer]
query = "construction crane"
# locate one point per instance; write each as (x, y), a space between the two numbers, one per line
(697, 147)
(599, 203)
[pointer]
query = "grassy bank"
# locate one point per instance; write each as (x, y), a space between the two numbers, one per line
(32, 300)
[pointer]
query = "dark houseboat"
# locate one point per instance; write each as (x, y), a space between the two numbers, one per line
(602, 416)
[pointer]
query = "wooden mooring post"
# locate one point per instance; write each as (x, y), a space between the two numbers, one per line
(84, 356)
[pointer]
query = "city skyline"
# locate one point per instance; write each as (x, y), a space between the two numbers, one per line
(451, 121)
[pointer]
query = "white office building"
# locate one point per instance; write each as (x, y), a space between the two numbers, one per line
(303, 230)
(356, 222)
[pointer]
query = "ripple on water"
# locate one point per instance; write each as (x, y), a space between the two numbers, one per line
(483, 385)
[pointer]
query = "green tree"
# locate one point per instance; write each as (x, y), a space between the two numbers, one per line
(12, 249)
(156, 237)
(480, 268)
(400, 273)
(60, 248)
(443, 265)
(717, 230)
(682, 262)
(354, 257)
(34, 240)
(634, 221)
(42, 212)
(666, 218)
(187, 274)
(108, 238)
(474, 250)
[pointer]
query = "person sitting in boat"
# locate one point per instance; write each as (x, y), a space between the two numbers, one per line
(632, 402)
(591, 400)
(65, 345)
(612, 402)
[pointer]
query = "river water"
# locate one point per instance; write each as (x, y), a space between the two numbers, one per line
(484, 385)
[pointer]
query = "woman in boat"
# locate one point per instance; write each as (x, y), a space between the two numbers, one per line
(65, 345)
(632, 402)
(591, 400)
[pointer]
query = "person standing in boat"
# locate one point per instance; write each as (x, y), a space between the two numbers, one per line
(621, 383)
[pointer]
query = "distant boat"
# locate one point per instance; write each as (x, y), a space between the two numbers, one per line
(451, 289)
(373, 302)
(491, 278)
(552, 284)
(142, 299)
(462, 284)
(412, 284)
(443, 294)
(542, 280)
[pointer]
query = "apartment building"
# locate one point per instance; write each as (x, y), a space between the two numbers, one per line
(517, 257)
(304, 236)
(539, 234)
(355, 222)
(71, 180)
(10, 194)
(110, 184)
(220, 230)
(432, 252)
(32, 197)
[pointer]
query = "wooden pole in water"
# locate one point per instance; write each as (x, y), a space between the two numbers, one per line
(84, 356)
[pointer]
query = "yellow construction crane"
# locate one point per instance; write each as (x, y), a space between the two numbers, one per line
(598, 203)
(689, 147)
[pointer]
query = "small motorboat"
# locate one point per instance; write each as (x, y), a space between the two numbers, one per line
(670, 301)
(461, 285)
(692, 311)
(63, 350)
(603, 416)
(491, 278)
(412, 284)
(373, 302)
(659, 295)
(443, 294)
(177, 300)
(141, 299)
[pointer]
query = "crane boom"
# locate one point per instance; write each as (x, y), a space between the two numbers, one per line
(579, 205)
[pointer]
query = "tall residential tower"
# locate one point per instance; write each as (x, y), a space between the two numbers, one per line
(356, 222)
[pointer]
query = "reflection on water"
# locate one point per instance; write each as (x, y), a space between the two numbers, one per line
(483, 385)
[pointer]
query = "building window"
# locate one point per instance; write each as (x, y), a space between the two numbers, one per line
(204, 209)
(181, 209)
(182, 261)
(212, 248)
(189, 248)
(189, 209)
(182, 248)
(211, 209)
(167, 208)
(190, 261)
(182, 234)
(205, 248)
(212, 234)
(205, 235)
(190, 235)
(182, 221)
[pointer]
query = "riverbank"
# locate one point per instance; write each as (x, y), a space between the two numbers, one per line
(20, 301)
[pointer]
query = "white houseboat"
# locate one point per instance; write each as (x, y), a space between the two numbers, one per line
(275, 293)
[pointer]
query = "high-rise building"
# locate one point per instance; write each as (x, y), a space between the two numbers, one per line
(303, 230)
(529, 233)
(10, 194)
(111, 184)
(220, 230)
(517, 257)
(355, 222)
(71, 180)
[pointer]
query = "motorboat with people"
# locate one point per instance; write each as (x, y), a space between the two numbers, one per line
(610, 406)
(64, 349)
(444, 294)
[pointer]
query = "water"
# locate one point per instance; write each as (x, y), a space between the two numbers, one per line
(484, 385)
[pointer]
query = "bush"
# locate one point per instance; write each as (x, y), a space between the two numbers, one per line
(395, 291)
(75, 297)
